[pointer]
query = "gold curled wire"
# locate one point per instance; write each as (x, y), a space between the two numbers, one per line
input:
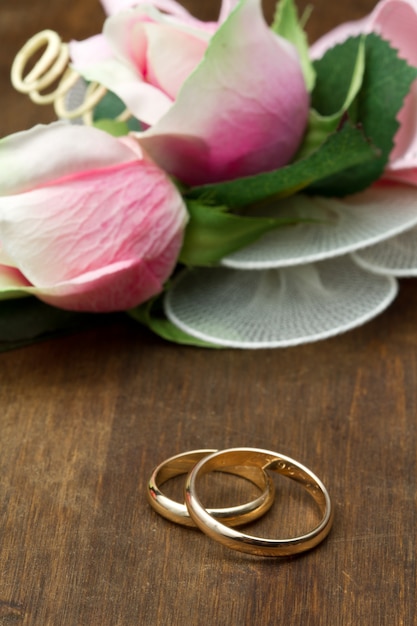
(93, 95)
(48, 69)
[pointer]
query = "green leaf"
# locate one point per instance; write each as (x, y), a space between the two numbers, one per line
(334, 92)
(341, 150)
(387, 80)
(112, 127)
(7, 293)
(212, 233)
(287, 25)
(110, 107)
(340, 74)
(26, 320)
(151, 315)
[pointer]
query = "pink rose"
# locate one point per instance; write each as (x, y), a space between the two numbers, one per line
(144, 56)
(86, 221)
(396, 22)
(219, 106)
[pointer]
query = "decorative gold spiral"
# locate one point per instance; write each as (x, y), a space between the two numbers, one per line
(48, 69)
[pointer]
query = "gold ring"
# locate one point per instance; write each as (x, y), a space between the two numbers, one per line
(266, 460)
(234, 515)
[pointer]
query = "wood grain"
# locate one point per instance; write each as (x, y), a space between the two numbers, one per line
(84, 420)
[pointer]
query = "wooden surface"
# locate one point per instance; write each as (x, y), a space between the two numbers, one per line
(84, 420)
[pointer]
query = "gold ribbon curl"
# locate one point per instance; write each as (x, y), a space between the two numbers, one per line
(53, 66)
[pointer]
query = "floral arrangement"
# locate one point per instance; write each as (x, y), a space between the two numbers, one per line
(233, 187)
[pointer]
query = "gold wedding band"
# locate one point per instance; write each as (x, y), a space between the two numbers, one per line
(234, 515)
(266, 460)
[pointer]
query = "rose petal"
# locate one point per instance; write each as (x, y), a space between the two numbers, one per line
(94, 48)
(5, 259)
(166, 54)
(174, 11)
(128, 71)
(116, 226)
(170, 6)
(89, 221)
(171, 56)
(404, 154)
(408, 175)
(396, 21)
(146, 102)
(31, 158)
(118, 287)
(243, 110)
(12, 283)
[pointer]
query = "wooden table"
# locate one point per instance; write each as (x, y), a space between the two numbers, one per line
(85, 418)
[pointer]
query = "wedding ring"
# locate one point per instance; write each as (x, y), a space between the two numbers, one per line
(266, 460)
(234, 515)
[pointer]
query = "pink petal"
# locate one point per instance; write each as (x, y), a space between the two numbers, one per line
(12, 282)
(396, 21)
(404, 154)
(118, 287)
(31, 158)
(144, 56)
(94, 49)
(171, 57)
(244, 110)
(147, 102)
(115, 226)
(407, 176)
(151, 56)
(176, 12)
(89, 221)
(161, 54)
(5, 259)
(170, 6)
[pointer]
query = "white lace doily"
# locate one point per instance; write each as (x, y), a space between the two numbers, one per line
(279, 307)
(397, 256)
(343, 226)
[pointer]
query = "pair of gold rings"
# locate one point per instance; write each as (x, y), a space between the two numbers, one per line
(251, 464)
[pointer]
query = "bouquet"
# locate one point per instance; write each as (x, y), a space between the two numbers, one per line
(222, 183)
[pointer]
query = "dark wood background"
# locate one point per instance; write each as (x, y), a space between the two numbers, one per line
(84, 419)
